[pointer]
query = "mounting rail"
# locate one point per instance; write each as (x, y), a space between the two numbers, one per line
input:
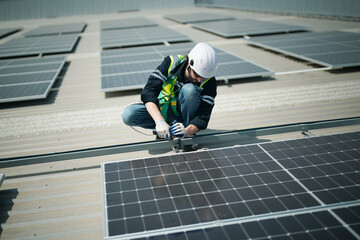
(227, 136)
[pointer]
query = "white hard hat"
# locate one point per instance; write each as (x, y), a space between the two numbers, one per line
(202, 59)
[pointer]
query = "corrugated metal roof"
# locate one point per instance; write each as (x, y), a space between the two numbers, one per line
(62, 199)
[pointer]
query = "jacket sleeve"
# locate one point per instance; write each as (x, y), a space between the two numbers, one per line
(207, 103)
(155, 81)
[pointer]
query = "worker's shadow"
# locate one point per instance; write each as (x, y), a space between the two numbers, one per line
(211, 139)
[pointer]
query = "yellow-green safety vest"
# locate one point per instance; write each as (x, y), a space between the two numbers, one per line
(167, 96)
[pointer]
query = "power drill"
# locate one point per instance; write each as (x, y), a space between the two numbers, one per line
(176, 141)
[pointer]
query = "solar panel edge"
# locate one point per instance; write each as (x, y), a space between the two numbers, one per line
(33, 33)
(174, 19)
(36, 97)
(288, 53)
(200, 17)
(212, 31)
(264, 30)
(141, 44)
(55, 77)
(230, 77)
(31, 52)
(266, 73)
(19, 99)
(321, 57)
(10, 32)
(104, 210)
(129, 27)
(115, 89)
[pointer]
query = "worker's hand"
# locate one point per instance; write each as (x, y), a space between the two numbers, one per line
(163, 129)
(177, 130)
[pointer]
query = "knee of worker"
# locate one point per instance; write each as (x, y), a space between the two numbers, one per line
(128, 116)
(189, 93)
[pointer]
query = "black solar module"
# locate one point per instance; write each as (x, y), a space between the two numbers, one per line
(124, 69)
(334, 49)
(298, 189)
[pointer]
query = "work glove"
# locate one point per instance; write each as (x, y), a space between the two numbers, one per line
(162, 129)
(178, 130)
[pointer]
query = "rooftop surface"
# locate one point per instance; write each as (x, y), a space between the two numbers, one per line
(46, 200)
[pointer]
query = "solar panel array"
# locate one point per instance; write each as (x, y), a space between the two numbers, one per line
(125, 69)
(28, 78)
(19, 47)
(335, 49)
(246, 27)
(295, 189)
(198, 17)
(8, 31)
(140, 36)
(59, 29)
(126, 23)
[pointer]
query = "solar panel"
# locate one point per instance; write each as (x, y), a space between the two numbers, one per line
(8, 31)
(38, 46)
(127, 23)
(198, 17)
(140, 36)
(316, 225)
(246, 27)
(303, 188)
(334, 49)
(28, 79)
(58, 29)
(124, 69)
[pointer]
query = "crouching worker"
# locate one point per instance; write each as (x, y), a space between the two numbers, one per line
(182, 90)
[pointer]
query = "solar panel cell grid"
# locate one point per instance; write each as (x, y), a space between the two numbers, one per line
(334, 49)
(317, 225)
(246, 27)
(26, 79)
(140, 36)
(38, 45)
(198, 17)
(126, 69)
(243, 186)
(126, 23)
(56, 29)
(8, 31)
